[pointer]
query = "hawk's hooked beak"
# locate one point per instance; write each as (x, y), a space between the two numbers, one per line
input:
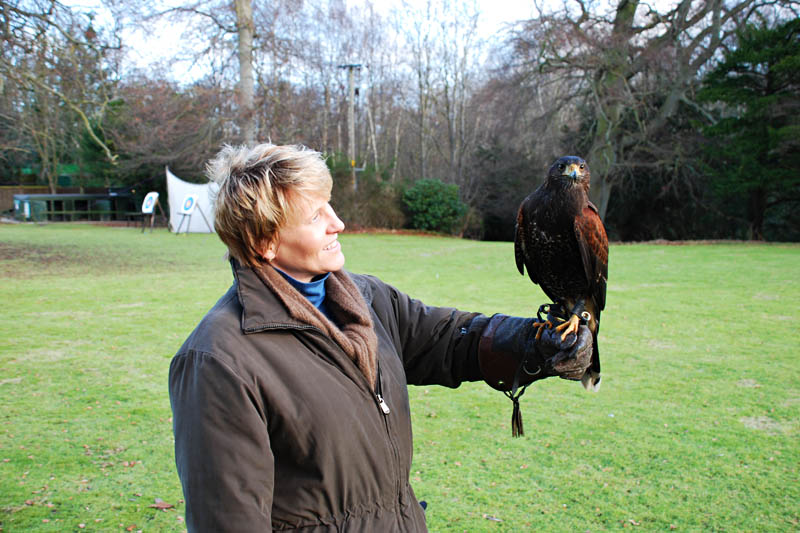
(573, 171)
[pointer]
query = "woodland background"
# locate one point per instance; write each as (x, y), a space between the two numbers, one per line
(688, 112)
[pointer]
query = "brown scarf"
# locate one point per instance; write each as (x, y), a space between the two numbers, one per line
(356, 338)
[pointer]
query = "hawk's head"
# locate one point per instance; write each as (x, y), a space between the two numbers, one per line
(570, 170)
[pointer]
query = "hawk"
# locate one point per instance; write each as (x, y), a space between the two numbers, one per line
(560, 239)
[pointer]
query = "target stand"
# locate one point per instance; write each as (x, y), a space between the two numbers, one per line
(149, 210)
(188, 208)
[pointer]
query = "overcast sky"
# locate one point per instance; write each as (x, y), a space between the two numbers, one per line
(143, 50)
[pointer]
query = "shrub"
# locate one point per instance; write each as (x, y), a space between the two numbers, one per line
(376, 203)
(434, 206)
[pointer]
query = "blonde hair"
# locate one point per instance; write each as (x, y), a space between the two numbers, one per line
(258, 189)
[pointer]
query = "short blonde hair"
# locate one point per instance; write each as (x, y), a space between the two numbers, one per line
(258, 189)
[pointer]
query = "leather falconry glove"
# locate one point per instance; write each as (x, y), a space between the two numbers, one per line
(511, 357)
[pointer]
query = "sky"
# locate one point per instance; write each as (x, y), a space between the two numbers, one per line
(144, 50)
(497, 13)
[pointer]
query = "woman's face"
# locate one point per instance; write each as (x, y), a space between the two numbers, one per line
(308, 245)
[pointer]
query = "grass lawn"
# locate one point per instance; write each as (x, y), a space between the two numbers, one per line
(695, 428)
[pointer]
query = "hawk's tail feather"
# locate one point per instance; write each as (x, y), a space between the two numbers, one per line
(591, 378)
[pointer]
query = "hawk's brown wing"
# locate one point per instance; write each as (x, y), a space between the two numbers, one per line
(593, 244)
(519, 240)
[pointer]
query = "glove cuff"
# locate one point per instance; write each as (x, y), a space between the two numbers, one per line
(506, 351)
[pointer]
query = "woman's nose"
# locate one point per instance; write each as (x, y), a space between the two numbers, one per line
(336, 225)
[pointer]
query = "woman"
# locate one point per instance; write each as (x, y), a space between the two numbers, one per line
(289, 398)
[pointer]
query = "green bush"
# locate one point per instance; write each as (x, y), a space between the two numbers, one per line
(434, 206)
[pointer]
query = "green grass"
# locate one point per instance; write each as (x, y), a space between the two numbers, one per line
(695, 428)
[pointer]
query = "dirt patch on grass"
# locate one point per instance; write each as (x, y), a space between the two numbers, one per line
(35, 258)
(657, 344)
(34, 254)
(762, 423)
(748, 383)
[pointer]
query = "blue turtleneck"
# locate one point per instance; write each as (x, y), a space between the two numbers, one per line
(313, 290)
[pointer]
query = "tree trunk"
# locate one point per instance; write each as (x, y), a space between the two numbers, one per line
(396, 148)
(246, 30)
(757, 207)
(338, 137)
(423, 126)
(372, 137)
(609, 89)
(326, 119)
(602, 158)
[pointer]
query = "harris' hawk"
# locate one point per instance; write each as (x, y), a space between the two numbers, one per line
(560, 239)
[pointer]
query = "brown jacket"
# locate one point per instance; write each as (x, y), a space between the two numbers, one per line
(276, 427)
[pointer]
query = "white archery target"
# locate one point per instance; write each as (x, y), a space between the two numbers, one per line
(149, 203)
(188, 205)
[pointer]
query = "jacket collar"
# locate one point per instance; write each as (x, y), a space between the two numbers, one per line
(271, 292)
(262, 310)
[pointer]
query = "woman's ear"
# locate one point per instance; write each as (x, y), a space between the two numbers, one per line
(269, 250)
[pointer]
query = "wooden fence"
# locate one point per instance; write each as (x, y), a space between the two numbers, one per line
(7, 193)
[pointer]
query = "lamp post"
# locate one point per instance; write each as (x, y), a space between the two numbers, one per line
(351, 122)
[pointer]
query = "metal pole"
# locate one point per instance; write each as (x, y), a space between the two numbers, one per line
(351, 122)
(351, 128)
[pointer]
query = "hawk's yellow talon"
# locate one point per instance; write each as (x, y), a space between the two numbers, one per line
(540, 326)
(570, 326)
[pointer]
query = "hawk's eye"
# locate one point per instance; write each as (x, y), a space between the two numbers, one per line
(583, 166)
(561, 166)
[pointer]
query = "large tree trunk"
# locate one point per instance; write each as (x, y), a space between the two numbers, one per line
(246, 29)
(603, 157)
(601, 161)
(609, 90)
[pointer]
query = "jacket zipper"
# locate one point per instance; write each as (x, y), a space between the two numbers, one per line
(384, 408)
(377, 396)
(382, 404)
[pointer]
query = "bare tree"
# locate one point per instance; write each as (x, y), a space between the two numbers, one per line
(327, 45)
(63, 73)
(458, 49)
(220, 34)
(420, 36)
(612, 57)
(155, 123)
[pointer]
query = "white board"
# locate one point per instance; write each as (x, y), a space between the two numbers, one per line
(204, 193)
